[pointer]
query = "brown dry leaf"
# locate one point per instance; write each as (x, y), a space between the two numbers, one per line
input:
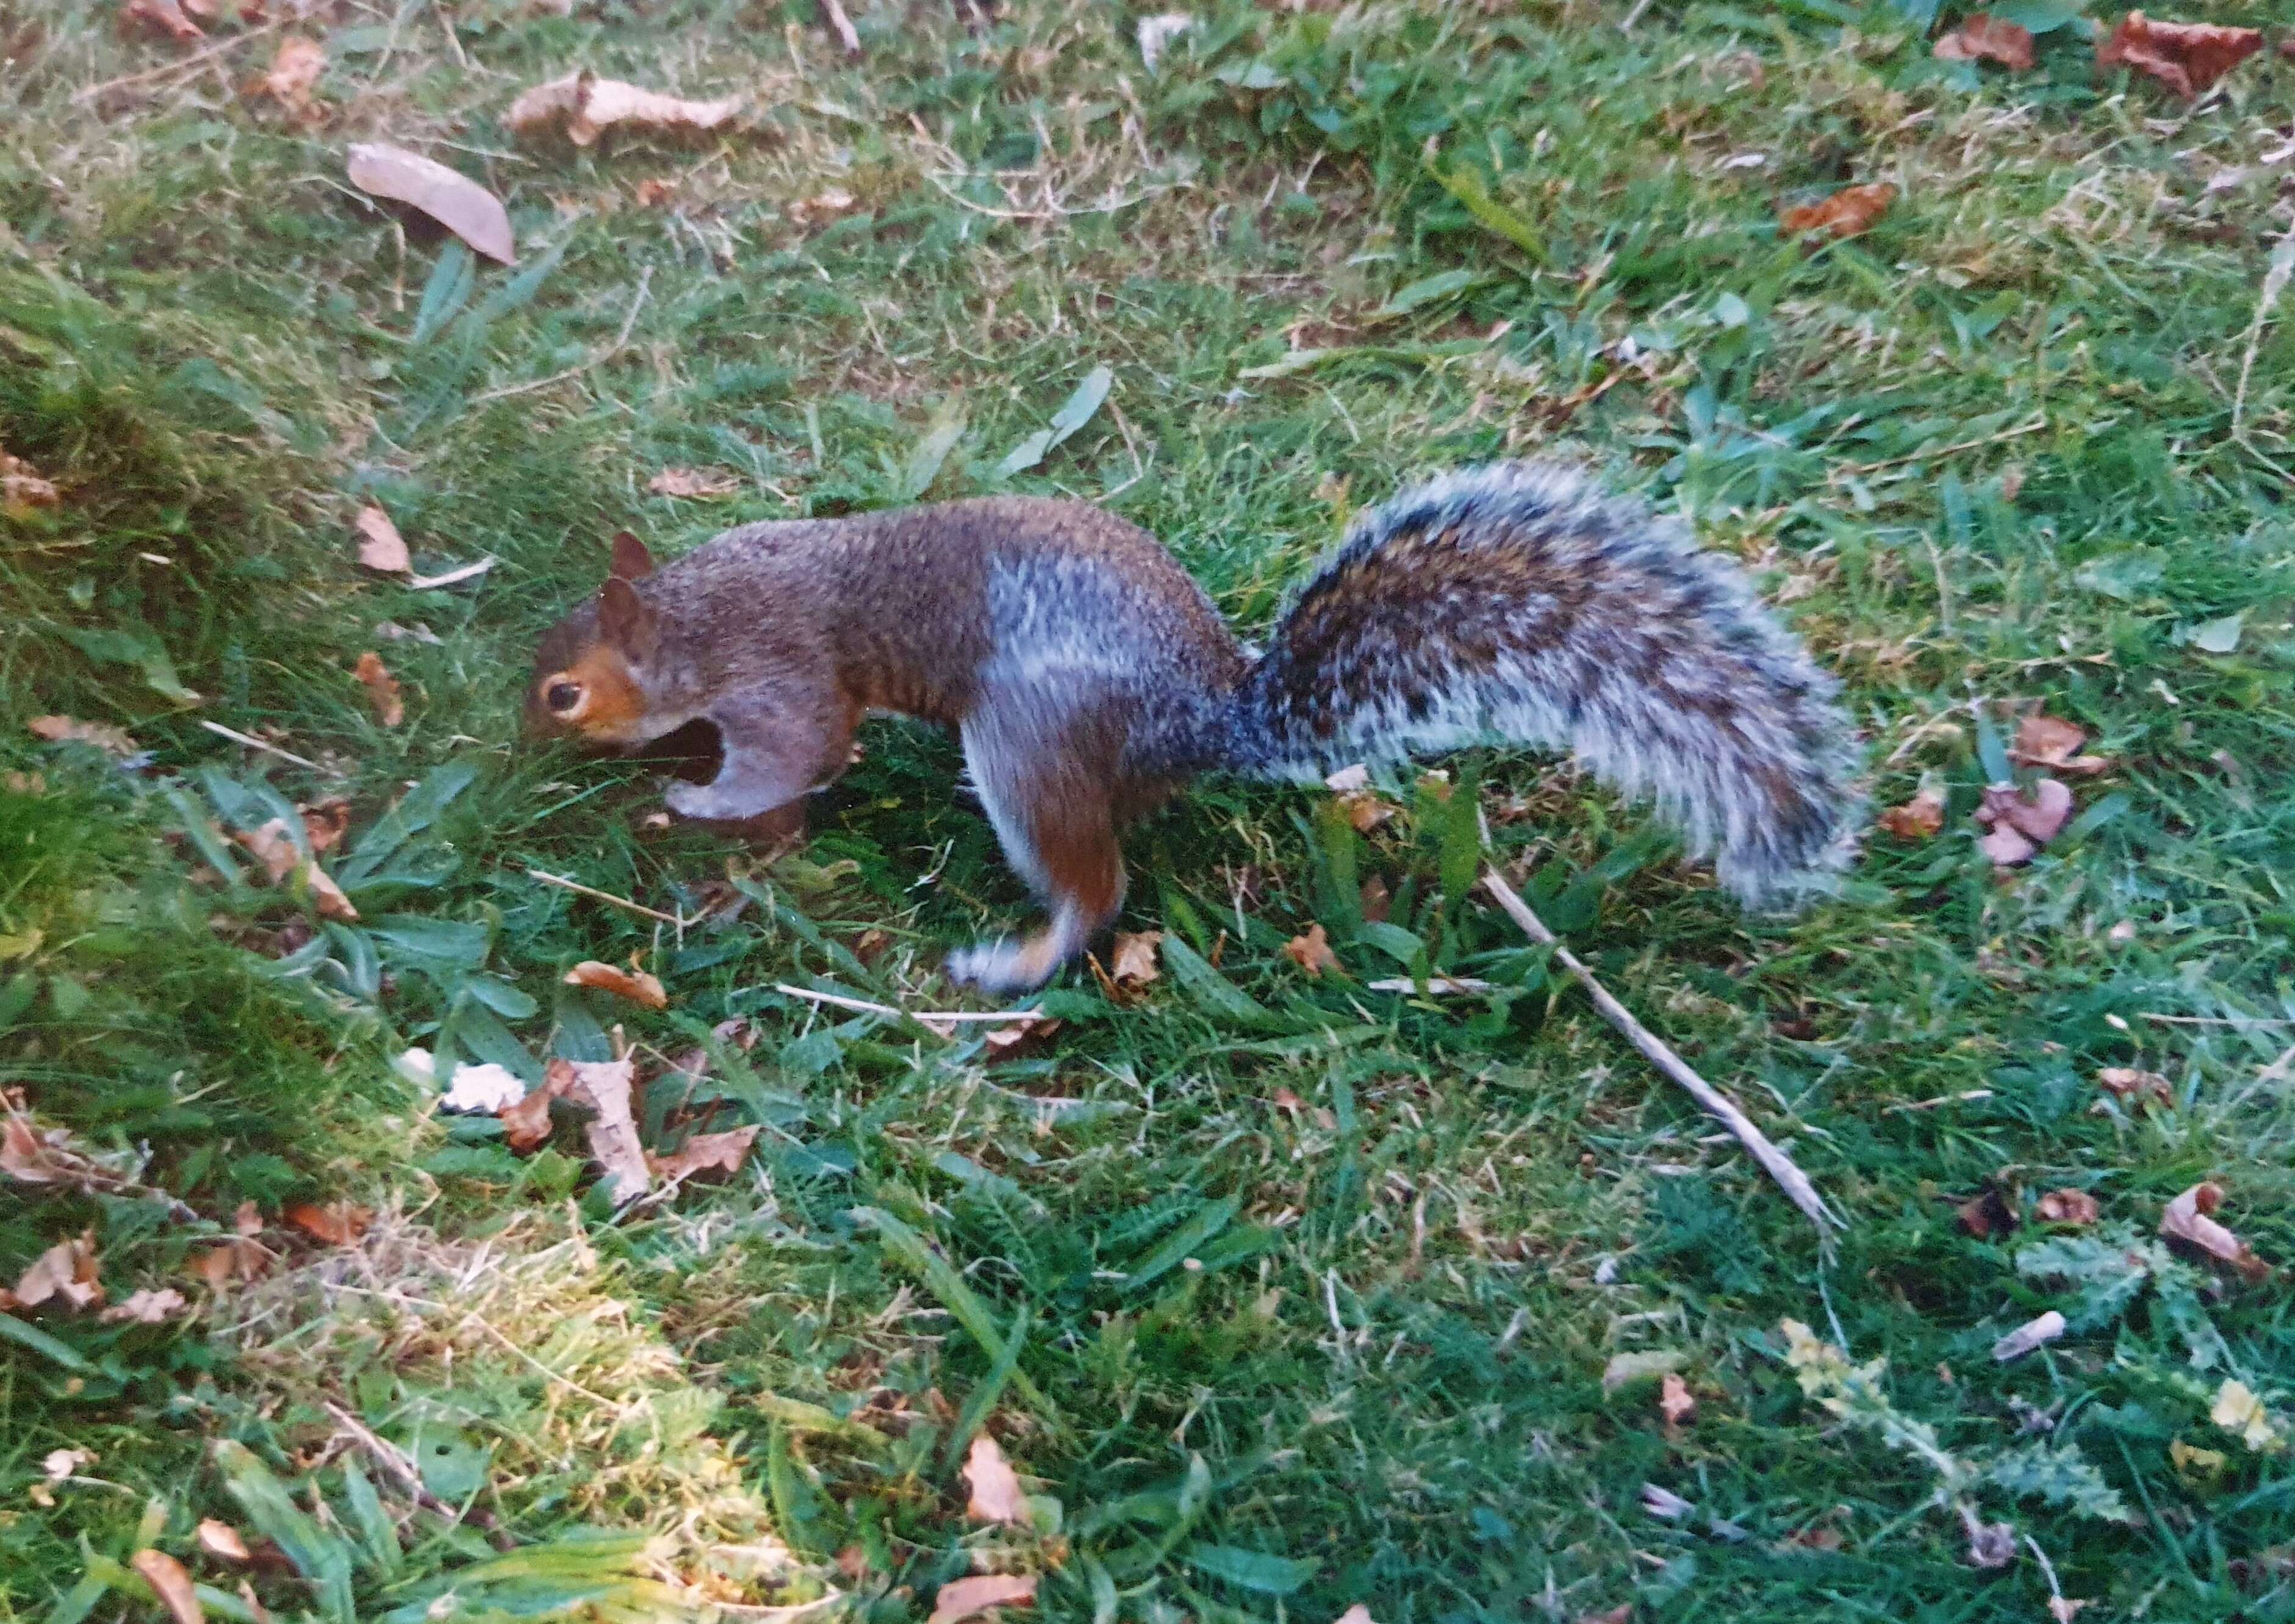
(605, 1086)
(525, 1125)
(294, 74)
(1132, 964)
(692, 482)
(654, 191)
(166, 1576)
(636, 985)
(1284, 1099)
(382, 689)
(1814, 1538)
(222, 1541)
(588, 106)
(1312, 951)
(272, 848)
(2186, 57)
(147, 1308)
(1987, 38)
(706, 1153)
(1377, 900)
(2064, 1609)
(960, 1598)
(66, 730)
(224, 1266)
(326, 822)
(2187, 1219)
(1366, 810)
(2137, 1088)
(447, 196)
(1020, 1038)
(380, 546)
(2066, 1207)
(1987, 1215)
(326, 895)
(22, 489)
(996, 1495)
(821, 207)
(1990, 1545)
(338, 1224)
(1675, 1401)
(2043, 740)
(2021, 826)
(1848, 212)
(66, 1270)
(1918, 819)
(2026, 1337)
(165, 15)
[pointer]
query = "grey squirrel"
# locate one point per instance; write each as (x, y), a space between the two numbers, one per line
(1088, 676)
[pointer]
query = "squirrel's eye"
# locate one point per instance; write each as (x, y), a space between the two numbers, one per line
(563, 696)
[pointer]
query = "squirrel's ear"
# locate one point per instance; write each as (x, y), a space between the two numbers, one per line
(624, 620)
(631, 561)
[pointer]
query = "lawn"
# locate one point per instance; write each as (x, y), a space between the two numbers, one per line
(1281, 1295)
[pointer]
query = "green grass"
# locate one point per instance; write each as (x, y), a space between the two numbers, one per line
(2005, 450)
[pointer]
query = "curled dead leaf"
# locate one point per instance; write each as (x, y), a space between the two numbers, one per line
(706, 1153)
(1133, 963)
(2137, 1088)
(821, 207)
(326, 822)
(1312, 951)
(2186, 57)
(1675, 1401)
(272, 848)
(656, 193)
(447, 196)
(222, 1542)
(381, 547)
(1366, 810)
(1848, 212)
(996, 1495)
(2065, 1207)
(2043, 740)
(960, 1598)
(164, 16)
(336, 1224)
(526, 1124)
(2188, 1218)
(693, 482)
(22, 489)
(294, 73)
(2026, 1337)
(66, 1272)
(2022, 824)
(587, 106)
(66, 730)
(605, 1086)
(220, 1268)
(1918, 819)
(173, 1584)
(1986, 1214)
(147, 1308)
(382, 689)
(1983, 37)
(636, 985)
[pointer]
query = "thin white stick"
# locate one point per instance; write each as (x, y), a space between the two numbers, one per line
(1774, 1162)
(253, 743)
(865, 1007)
(607, 896)
(842, 24)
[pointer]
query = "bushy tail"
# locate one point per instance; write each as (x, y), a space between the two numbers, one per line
(1519, 602)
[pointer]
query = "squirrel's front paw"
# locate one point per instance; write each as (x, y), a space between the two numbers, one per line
(701, 800)
(1000, 967)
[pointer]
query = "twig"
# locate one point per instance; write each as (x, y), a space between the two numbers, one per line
(607, 896)
(1774, 1162)
(621, 339)
(842, 24)
(1941, 1099)
(2275, 284)
(396, 1465)
(2034, 426)
(253, 743)
(866, 1007)
(179, 64)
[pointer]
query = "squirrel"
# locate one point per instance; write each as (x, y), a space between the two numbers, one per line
(1087, 675)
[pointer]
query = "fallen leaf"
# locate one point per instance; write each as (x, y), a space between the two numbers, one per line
(2065, 1207)
(2021, 826)
(447, 196)
(2237, 1409)
(484, 1086)
(65, 730)
(1848, 212)
(996, 1495)
(2064, 1609)
(326, 822)
(246, 1222)
(326, 895)
(527, 1124)
(692, 482)
(1312, 951)
(1132, 964)
(382, 689)
(2186, 57)
(605, 1086)
(165, 15)
(66, 1270)
(294, 73)
(636, 985)
(706, 1153)
(1624, 1370)
(338, 1224)
(2137, 1088)
(2187, 1219)
(1918, 819)
(654, 191)
(1665, 1502)
(166, 1576)
(1366, 810)
(147, 1308)
(1987, 38)
(57, 1464)
(2196, 1463)
(224, 1266)
(2026, 1337)
(822, 206)
(1986, 1215)
(272, 848)
(380, 546)
(22, 489)
(222, 1541)
(1814, 1538)
(2043, 740)
(1990, 1545)
(960, 1598)
(1674, 1401)
(1284, 1099)
(1377, 900)
(588, 106)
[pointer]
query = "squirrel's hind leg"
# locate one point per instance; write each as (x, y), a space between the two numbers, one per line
(779, 743)
(1051, 788)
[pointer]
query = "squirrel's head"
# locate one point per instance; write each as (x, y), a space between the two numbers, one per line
(590, 673)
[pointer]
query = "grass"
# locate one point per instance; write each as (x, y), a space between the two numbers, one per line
(1283, 1295)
